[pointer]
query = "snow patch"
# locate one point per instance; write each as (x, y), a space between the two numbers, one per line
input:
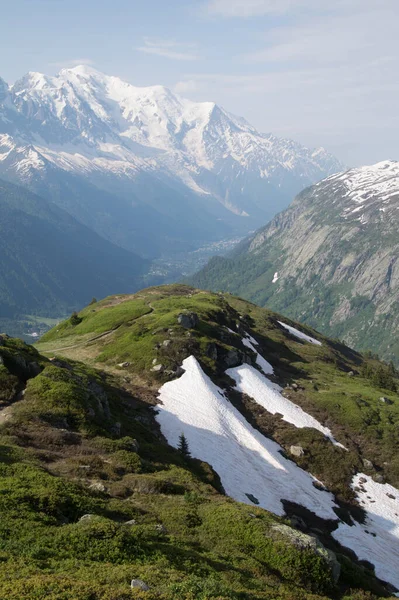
(267, 394)
(275, 277)
(299, 334)
(377, 539)
(266, 367)
(246, 461)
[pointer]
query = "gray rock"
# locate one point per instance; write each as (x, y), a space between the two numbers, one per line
(166, 343)
(124, 365)
(368, 464)
(157, 368)
(154, 361)
(304, 541)
(297, 451)
(97, 486)
(233, 358)
(116, 428)
(378, 478)
(161, 528)
(188, 320)
(212, 351)
(386, 400)
(351, 374)
(131, 522)
(252, 498)
(139, 583)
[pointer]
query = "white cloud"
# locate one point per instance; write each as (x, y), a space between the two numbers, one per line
(168, 49)
(74, 62)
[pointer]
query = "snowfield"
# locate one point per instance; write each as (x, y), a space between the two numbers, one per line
(250, 464)
(268, 394)
(377, 540)
(299, 334)
(246, 461)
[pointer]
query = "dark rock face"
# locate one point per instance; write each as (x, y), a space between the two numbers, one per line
(188, 320)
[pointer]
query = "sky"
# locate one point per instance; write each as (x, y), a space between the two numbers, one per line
(324, 73)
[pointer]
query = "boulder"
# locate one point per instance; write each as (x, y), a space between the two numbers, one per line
(139, 583)
(309, 542)
(124, 365)
(378, 478)
(233, 358)
(297, 451)
(252, 498)
(368, 464)
(157, 368)
(188, 320)
(86, 517)
(97, 486)
(386, 400)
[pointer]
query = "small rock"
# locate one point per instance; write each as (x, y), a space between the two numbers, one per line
(378, 478)
(139, 583)
(233, 358)
(124, 365)
(351, 374)
(116, 428)
(154, 361)
(391, 496)
(188, 320)
(86, 517)
(294, 386)
(161, 528)
(158, 368)
(166, 343)
(368, 464)
(386, 400)
(252, 498)
(97, 486)
(297, 451)
(362, 480)
(131, 522)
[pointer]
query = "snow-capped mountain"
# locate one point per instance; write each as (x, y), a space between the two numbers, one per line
(176, 159)
(330, 259)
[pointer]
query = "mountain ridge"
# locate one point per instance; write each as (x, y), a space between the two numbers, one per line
(109, 134)
(330, 259)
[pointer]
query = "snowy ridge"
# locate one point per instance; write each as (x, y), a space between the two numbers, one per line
(365, 188)
(246, 461)
(267, 394)
(83, 121)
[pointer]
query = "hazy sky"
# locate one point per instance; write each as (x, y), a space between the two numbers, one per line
(320, 72)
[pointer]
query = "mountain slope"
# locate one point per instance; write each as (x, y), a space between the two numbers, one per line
(330, 259)
(270, 405)
(51, 263)
(184, 164)
(95, 503)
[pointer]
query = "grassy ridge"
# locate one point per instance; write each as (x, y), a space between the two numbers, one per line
(151, 514)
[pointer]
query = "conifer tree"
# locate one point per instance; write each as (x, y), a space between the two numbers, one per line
(183, 446)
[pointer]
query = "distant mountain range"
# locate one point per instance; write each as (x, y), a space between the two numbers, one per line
(330, 260)
(144, 168)
(50, 263)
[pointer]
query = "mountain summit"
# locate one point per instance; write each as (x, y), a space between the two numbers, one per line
(165, 158)
(330, 259)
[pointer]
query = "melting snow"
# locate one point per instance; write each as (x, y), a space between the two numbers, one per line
(266, 367)
(266, 393)
(377, 539)
(299, 334)
(246, 461)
